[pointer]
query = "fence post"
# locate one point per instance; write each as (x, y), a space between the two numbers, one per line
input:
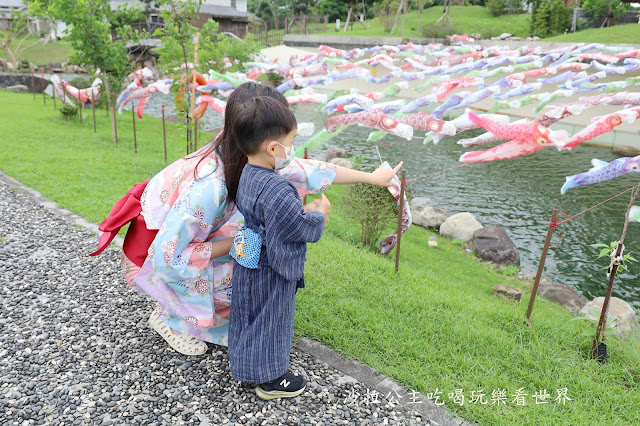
(286, 25)
(266, 33)
(304, 24)
(326, 22)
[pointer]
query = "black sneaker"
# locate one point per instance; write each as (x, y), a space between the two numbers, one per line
(286, 386)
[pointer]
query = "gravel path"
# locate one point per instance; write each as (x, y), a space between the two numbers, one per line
(75, 347)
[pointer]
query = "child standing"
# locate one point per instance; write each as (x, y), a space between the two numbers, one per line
(270, 250)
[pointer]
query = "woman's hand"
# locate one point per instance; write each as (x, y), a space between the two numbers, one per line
(382, 176)
(221, 247)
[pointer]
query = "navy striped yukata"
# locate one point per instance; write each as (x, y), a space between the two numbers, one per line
(263, 300)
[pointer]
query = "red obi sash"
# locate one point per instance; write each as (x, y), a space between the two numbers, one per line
(139, 238)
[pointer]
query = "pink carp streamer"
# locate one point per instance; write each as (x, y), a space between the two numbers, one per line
(444, 88)
(423, 121)
(87, 95)
(373, 118)
(206, 101)
(526, 138)
(602, 125)
(389, 242)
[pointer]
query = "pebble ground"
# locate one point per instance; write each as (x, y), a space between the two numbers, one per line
(75, 346)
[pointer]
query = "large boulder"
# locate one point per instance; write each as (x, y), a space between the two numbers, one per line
(460, 226)
(622, 319)
(428, 216)
(18, 88)
(416, 202)
(492, 244)
(343, 162)
(563, 295)
(334, 152)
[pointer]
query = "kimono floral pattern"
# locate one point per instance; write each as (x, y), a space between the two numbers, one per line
(189, 209)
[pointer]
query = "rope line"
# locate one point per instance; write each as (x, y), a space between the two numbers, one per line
(570, 217)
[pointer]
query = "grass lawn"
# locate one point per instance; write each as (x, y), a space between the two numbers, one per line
(42, 54)
(67, 162)
(434, 325)
(468, 19)
(629, 33)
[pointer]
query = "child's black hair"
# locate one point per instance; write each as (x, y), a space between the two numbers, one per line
(258, 119)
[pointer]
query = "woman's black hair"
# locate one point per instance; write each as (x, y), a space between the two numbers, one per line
(233, 160)
(260, 119)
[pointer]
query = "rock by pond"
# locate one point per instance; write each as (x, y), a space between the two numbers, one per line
(428, 216)
(622, 319)
(460, 226)
(492, 244)
(563, 295)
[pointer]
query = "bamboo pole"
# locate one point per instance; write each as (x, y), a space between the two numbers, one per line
(601, 329)
(133, 120)
(543, 258)
(403, 182)
(164, 137)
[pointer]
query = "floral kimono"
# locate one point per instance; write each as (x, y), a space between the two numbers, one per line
(193, 291)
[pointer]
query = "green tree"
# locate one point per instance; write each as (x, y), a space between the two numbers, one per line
(178, 48)
(12, 40)
(550, 17)
(89, 33)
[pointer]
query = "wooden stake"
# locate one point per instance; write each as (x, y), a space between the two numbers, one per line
(133, 119)
(543, 258)
(93, 111)
(400, 211)
(164, 137)
(44, 95)
(111, 105)
(33, 87)
(193, 81)
(601, 329)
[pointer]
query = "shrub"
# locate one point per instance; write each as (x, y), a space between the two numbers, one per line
(440, 30)
(375, 209)
(68, 112)
(497, 7)
(502, 7)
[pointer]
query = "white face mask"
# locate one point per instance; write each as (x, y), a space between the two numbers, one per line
(281, 163)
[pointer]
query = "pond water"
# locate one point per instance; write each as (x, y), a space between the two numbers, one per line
(518, 194)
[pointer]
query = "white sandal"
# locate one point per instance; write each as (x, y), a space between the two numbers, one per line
(182, 343)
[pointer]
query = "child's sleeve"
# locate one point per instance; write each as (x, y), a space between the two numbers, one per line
(285, 220)
(311, 176)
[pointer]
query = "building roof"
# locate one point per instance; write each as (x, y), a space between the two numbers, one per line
(14, 4)
(223, 11)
